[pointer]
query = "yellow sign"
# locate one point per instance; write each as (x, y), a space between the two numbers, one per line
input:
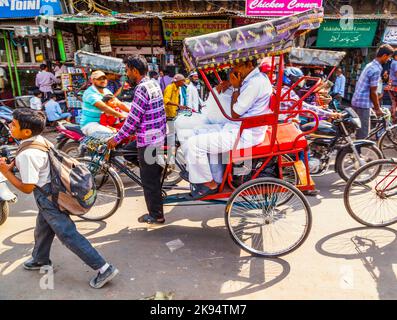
(178, 30)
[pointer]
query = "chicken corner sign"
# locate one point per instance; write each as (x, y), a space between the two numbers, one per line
(28, 8)
(279, 7)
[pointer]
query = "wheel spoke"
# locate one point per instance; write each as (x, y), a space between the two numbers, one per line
(268, 217)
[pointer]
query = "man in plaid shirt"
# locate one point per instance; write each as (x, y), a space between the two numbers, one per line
(148, 121)
(365, 95)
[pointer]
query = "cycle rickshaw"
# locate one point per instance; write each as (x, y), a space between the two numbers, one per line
(316, 59)
(265, 215)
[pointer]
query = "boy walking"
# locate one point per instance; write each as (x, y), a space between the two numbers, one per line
(34, 168)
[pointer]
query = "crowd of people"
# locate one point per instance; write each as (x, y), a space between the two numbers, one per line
(158, 102)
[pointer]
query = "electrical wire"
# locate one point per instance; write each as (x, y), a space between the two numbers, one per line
(91, 7)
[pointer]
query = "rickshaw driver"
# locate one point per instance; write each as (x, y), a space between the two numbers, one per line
(251, 97)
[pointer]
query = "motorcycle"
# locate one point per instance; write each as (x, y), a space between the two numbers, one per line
(5, 134)
(69, 138)
(336, 136)
(6, 195)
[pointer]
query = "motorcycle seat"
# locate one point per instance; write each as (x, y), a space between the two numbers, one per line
(74, 128)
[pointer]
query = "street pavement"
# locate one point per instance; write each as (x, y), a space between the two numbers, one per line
(331, 264)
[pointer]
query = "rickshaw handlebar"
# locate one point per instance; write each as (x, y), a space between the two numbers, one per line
(303, 111)
(317, 84)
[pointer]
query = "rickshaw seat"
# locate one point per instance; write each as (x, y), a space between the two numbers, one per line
(285, 141)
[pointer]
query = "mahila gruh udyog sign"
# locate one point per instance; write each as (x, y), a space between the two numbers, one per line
(28, 8)
(273, 8)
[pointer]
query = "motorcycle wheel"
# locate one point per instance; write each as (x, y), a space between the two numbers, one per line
(71, 148)
(371, 153)
(4, 211)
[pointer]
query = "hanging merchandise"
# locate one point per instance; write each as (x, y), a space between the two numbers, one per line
(39, 55)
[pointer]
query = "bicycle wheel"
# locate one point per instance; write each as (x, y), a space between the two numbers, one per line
(372, 200)
(110, 192)
(388, 142)
(260, 225)
(71, 148)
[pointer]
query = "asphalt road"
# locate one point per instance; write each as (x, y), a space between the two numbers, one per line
(207, 265)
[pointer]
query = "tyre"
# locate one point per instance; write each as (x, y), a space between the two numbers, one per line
(72, 149)
(110, 192)
(262, 223)
(290, 174)
(388, 142)
(172, 178)
(347, 164)
(372, 200)
(4, 211)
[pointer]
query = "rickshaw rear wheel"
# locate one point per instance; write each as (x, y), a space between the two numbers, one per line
(262, 222)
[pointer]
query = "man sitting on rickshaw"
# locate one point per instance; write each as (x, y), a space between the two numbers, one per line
(251, 97)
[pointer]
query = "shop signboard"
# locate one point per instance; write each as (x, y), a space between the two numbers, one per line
(239, 22)
(390, 35)
(334, 34)
(29, 8)
(69, 44)
(178, 29)
(274, 8)
(136, 33)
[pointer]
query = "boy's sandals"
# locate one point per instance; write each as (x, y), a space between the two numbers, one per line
(146, 218)
(199, 191)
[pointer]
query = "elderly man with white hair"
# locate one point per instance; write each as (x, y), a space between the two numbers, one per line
(193, 97)
(209, 119)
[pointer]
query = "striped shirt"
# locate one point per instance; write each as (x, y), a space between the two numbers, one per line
(369, 78)
(146, 117)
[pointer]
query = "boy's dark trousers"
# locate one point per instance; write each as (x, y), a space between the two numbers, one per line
(50, 222)
(151, 175)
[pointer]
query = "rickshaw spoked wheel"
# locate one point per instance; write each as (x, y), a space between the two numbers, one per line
(268, 217)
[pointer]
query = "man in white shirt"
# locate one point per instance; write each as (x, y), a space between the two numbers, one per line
(35, 102)
(193, 97)
(251, 97)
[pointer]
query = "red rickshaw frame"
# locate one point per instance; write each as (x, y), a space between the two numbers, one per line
(274, 147)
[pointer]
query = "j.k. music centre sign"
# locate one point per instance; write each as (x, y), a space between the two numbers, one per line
(279, 7)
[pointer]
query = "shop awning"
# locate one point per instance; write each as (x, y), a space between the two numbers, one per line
(33, 31)
(97, 20)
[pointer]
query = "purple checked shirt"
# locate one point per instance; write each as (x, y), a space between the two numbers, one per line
(147, 116)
